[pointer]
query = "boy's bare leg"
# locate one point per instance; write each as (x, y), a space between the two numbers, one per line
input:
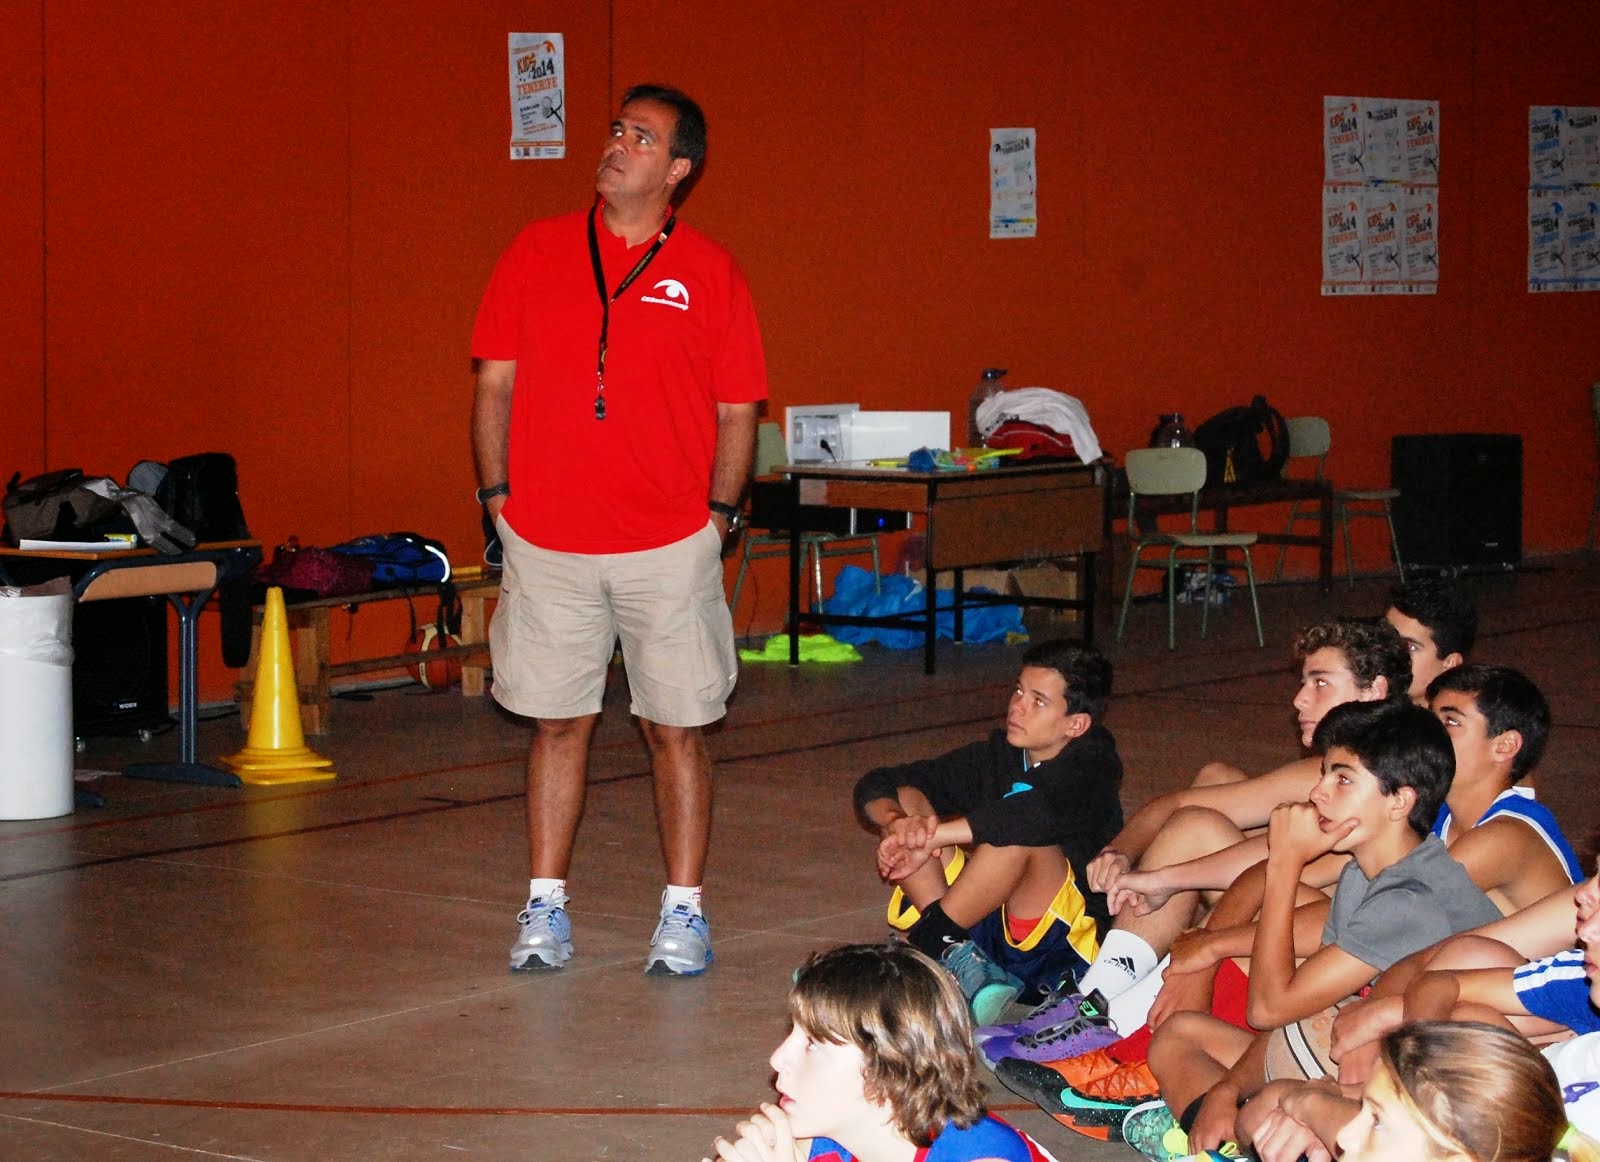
(1025, 879)
(1194, 832)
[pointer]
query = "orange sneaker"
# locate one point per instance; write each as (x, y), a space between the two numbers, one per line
(1096, 1108)
(1043, 1084)
(1084, 1068)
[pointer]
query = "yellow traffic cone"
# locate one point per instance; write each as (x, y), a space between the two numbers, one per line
(275, 750)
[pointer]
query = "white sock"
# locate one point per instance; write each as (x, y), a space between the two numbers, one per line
(678, 894)
(1124, 960)
(1131, 1010)
(547, 889)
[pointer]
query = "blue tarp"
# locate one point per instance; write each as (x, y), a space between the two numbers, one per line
(855, 595)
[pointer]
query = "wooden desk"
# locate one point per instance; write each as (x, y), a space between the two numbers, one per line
(983, 519)
(184, 579)
(1230, 496)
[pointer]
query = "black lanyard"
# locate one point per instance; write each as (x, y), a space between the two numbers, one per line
(607, 300)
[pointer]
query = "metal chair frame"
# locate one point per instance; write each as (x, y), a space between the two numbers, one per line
(1310, 436)
(1174, 472)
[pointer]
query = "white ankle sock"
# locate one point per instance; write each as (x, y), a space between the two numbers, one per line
(547, 889)
(1124, 960)
(678, 894)
(1131, 1009)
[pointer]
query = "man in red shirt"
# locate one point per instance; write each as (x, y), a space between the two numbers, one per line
(619, 376)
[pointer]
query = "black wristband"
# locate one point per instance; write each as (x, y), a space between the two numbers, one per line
(730, 511)
(485, 495)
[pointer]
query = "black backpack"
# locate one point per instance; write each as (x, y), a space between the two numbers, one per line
(1244, 445)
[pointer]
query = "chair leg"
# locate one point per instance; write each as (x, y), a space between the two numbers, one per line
(1255, 606)
(1283, 550)
(1205, 598)
(1394, 543)
(877, 567)
(1342, 515)
(1172, 599)
(816, 574)
(1127, 593)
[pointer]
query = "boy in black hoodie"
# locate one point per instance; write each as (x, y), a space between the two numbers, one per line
(985, 843)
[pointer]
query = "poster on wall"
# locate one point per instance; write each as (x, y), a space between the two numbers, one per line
(1563, 198)
(1013, 184)
(1380, 196)
(538, 95)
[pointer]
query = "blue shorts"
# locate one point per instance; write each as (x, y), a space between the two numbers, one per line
(1557, 989)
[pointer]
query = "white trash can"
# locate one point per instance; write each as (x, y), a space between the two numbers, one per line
(36, 746)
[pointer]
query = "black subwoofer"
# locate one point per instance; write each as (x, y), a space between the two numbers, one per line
(119, 668)
(1460, 502)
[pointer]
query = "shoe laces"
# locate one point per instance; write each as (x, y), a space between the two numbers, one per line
(678, 922)
(1069, 1028)
(540, 911)
(1133, 1080)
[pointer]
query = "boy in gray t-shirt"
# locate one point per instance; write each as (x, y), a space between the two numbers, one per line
(1386, 768)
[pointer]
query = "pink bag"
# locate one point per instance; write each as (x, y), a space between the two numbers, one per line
(316, 571)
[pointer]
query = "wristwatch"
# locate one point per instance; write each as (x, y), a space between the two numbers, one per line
(732, 513)
(485, 495)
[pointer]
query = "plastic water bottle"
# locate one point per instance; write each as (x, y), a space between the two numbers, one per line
(992, 383)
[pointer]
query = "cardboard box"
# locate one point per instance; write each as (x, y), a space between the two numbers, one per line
(1046, 580)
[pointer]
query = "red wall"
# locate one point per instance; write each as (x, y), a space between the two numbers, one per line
(265, 229)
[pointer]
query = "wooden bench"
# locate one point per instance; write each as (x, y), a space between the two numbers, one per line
(310, 642)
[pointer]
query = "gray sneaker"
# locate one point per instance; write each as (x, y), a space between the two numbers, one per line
(681, 945)
(545, 941)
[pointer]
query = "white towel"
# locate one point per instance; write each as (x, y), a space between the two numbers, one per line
(1047, 408)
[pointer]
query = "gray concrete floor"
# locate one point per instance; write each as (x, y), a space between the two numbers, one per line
(318, 971)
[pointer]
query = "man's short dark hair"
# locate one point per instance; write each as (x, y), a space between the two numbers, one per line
(689, 133)
(1508, 700)
(1443, 608)
(1402, 744)
(1085, 671)
(1371, 648)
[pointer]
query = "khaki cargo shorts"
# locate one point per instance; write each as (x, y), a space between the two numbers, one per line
(560, 616)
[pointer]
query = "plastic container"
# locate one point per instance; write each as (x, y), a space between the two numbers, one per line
(992, 383)
(1171, 432)
(36, 701)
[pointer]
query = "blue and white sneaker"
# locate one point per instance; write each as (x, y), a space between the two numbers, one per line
(545, 941)
(987, 987)
(681, 945)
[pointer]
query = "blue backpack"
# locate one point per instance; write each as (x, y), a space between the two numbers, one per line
(400, 559)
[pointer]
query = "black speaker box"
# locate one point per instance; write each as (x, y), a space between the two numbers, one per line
(1460, 503)
(772, 509)
(119, 668)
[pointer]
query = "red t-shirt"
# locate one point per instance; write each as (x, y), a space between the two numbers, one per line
(682, 339)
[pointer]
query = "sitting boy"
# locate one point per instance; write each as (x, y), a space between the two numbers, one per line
(1385, 771)
(1341, 660)
(985, 841)
(1437, 624)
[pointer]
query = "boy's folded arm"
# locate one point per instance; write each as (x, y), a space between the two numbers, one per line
(1321, 980)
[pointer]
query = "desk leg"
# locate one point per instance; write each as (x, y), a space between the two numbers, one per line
(187, 769)
(958, 609)
(794, 574)
(1088, 572)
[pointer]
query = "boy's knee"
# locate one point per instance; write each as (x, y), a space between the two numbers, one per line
(1177, 1035)
(1218, 774)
